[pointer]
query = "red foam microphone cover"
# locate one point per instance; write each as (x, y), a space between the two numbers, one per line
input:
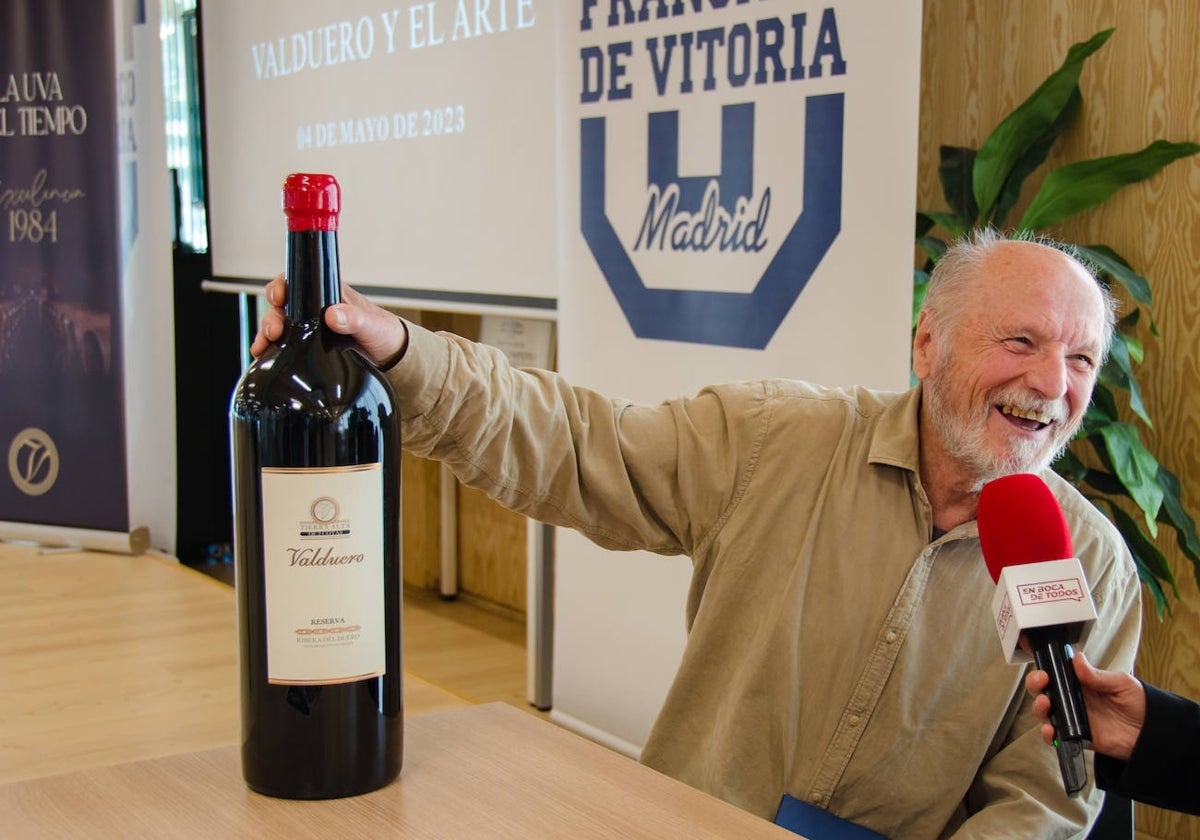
(1020, 521)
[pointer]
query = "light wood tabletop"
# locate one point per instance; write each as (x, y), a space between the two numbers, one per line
(120, 719)
(486, 771)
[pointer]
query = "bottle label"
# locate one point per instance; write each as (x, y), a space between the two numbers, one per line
(323, 573)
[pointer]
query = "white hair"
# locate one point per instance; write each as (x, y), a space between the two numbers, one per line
(950, 282)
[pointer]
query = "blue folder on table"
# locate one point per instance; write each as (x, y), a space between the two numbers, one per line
(810, 821)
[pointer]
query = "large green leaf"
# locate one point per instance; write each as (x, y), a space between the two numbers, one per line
(1153, 567)
(1034, 157)
(1081, 186)
(1174, 514)
(1114, 265)
(1106, 483)
(1104, 403)
(948, 221)
(1012, 138)
(1137, 350)
(1070, 467)
(1117, 372)
(933, 247)
(1129, 322)
(1161, 605)
(954, 170)
(1135, 466)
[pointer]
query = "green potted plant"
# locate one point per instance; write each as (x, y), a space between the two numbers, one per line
(1107, 459)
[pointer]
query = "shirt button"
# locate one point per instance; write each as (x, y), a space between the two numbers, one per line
(890, 637)
(854, 719)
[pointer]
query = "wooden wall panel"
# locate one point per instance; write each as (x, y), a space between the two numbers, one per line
(980, 58)
(491, 550)
(420, 516)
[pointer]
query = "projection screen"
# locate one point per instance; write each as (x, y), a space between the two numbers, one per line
(437, 118)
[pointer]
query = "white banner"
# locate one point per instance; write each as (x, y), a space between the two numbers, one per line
(739, 203)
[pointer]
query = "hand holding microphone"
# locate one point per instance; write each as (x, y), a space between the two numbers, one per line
(1041, 593)
(1116, 706)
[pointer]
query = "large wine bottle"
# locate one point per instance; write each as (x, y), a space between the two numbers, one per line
(316, 486)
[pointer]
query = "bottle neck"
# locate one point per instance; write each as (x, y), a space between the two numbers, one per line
(312, 274)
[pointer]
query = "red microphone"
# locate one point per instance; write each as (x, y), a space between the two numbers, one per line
(1041, 593)
(1020, 522)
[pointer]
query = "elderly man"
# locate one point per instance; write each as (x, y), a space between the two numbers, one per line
(840, 647)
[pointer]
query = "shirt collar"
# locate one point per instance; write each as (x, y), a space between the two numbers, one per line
(896, 441)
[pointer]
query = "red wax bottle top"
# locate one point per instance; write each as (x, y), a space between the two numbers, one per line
(311, 202)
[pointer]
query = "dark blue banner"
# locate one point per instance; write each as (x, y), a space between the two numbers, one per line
(62, 437)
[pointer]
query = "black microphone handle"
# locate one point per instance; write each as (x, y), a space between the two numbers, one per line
(1053, 654)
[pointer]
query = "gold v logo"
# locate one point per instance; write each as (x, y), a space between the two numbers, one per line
(33, 461)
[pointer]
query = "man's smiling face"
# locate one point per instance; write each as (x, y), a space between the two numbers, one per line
(1008, 378)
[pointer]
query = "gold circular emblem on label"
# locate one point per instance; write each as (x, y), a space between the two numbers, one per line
(33, 461)
(324, 509)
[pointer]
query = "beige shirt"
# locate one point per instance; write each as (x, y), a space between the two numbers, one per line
(835, 651)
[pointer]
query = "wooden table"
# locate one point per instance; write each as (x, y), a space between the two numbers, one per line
(487, 771)
(120, 719)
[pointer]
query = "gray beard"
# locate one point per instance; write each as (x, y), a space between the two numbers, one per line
(963, 440)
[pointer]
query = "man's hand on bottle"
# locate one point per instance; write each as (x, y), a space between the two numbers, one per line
(381, 335)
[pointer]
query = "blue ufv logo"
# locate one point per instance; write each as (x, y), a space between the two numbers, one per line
(729, 319)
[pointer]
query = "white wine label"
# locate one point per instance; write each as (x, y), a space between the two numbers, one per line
(323, 559)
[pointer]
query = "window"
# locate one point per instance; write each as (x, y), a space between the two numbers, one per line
(180, 35)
